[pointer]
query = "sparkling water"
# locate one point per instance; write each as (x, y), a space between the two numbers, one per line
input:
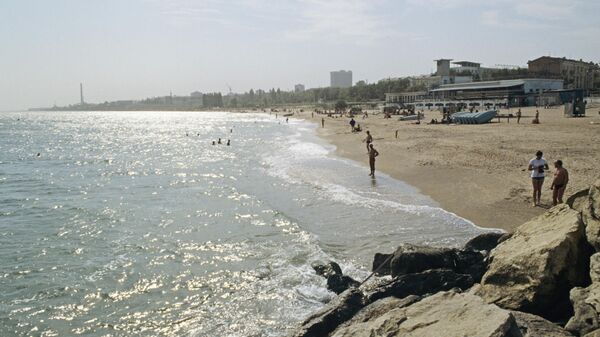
(134, 224)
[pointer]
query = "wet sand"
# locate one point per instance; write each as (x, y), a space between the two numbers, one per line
(476, 171)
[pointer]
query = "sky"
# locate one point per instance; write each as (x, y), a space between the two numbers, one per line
(133, 49)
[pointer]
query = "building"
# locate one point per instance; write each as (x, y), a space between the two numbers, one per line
(341, 79)
(405, 97)
(576, 74)
(443, 67)
(299, 88)
(520, 92)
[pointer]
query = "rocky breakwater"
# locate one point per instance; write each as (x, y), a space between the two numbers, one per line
(543, 280)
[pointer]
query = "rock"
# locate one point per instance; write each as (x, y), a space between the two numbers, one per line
(534, 270)
(379, 308)
(595, 333)
(381, 265)
(590, 213)
(409, 258)
(336, 312)
(484, 242)
(340, 283)
(326, 269)
(448, 314)
(586, 302)
(336, 280)
(427, 282)
(585, 317)
(578, 199)
(535, 326)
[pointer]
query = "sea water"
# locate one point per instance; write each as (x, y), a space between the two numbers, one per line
(134, 224)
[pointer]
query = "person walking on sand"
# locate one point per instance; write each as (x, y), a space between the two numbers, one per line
(352, 123)
(372, 155)
(559, 184)
(322, 122)
(368, 140)
(519, 116)
(537, 166)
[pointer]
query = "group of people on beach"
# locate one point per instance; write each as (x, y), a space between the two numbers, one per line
(538, 167)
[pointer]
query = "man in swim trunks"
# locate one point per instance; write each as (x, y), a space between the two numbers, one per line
(559, 184)
(537, 166)
(372, 154)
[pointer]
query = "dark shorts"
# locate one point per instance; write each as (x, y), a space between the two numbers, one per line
(538, 178)
(558, 187)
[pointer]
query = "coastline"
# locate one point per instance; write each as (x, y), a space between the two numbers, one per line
(475, 171)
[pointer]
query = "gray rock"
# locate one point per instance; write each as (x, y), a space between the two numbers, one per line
(590, 213)
(427, 282)
(586, 302)
(409, 259)
(484, 242)
(535, 326)
(336, 280)
(534, 270)
(379, 308)
(336, 312)
(447, 314)
(595, 333)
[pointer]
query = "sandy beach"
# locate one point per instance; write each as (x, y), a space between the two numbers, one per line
(476, 171)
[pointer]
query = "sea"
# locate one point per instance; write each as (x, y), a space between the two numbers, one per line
(135, 224)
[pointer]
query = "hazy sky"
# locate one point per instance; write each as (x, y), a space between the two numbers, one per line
(131, 49)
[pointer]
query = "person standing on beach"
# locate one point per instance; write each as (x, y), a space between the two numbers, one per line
(323, 122)
(537, 166)
(368, 140)
(559, 184)
(372, 155)
(519, 116)
(352, 123)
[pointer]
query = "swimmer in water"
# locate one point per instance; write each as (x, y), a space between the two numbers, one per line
(228, 142)
(219, 142)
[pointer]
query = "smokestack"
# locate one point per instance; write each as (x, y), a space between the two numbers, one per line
(81, 92)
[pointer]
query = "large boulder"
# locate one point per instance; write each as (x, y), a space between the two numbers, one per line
(535, 326)
(486, 241)
(590, 211)
(586, 302)
(427, 282)
(410, 258)
(448, 314)
(336, 312)
(534, 270)
(379, 308)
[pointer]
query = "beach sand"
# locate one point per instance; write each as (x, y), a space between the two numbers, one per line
(476, 171)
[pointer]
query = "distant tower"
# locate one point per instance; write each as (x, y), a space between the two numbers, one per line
(81, 93)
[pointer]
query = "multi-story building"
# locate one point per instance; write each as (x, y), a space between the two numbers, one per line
(576, 74)
(341, 79)
(299, 88)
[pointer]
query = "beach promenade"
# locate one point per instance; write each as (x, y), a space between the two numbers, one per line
(476, 171)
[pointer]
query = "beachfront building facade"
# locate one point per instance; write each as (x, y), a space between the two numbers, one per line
(519, 92)
(341, 79)
(576, 74)
(405, 97)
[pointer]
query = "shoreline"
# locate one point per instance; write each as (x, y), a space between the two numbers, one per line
(477, 172)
